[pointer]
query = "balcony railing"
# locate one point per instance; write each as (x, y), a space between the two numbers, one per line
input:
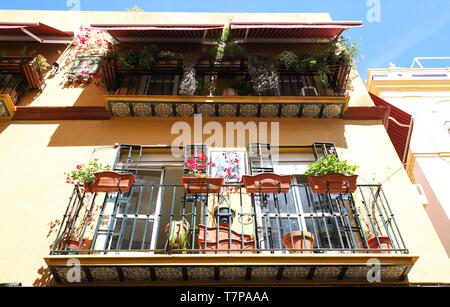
(140, 222)
(224, 78)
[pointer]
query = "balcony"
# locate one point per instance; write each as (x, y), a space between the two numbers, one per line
(224, 88)
(126, 237)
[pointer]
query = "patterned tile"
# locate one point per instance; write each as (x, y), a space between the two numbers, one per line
(264, 272)
(63, 272)
(231, 273)
(392, 272)
(171, 273)
(200, 273)
(311, 110)
(185, 109)
(327, 272)
(332, 111)
(142, 109)
(206, 109)
(227, 109)
(136, 273)
(104, 273)
(269, 110)
(290, 110)
(248, 110)
(119, 108)
(163, 109)
(4, 112)
(300, 272)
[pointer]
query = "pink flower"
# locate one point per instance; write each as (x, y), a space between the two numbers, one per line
(78, 167)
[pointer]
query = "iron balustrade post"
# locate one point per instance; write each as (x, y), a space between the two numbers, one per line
(62, 222)
(393, 219)
(136, 213)
(148, 216)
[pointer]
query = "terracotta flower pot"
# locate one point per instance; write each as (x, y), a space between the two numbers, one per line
(72, 245)
(385, 243)
(267, 183)
(227, 238)
(108, 182)
(200, 185)
(332, 183)
(229, 92)
(299, 243)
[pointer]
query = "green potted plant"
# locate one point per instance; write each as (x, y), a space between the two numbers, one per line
(129, 58)
(148, 56)
(289, 60)
(178, 232)
(94, 177)
(189, 83)
(200, 181)
(329, 175)
(264, 72)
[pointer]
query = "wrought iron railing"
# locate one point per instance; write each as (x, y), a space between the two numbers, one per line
(224, 78)
(163, 219)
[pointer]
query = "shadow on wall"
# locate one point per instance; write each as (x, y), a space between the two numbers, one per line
(45, 278)
(157, 131)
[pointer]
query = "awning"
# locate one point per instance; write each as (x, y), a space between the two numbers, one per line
(17, 31)
(399, 129)
(290, 31)
(139, 32)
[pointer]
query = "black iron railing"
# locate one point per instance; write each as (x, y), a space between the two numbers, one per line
(223, 78)
(163, 219)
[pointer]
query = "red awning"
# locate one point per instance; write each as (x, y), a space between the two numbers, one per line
(40, 30)
(399, 129)
(326, 30)
(172, 32)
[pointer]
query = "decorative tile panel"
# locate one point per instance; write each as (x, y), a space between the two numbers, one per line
(168, 273)
(227, 109)
(290, 110)
(327, 272)
(104, 273)
(163, 109)
(120, 109)
(300, 272)
(206, 109)
(332, 111)
(185, 109)
(201, 273)
(311, 110)
(4, 112)
(248, 110)
(63, 272)
(233, 272)
(136, 273)
(142, 109)
(269, 272)
(269, 110)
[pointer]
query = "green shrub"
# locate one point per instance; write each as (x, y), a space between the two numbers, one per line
(331, 165)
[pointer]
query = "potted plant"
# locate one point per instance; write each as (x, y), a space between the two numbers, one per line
(169, 57)
(329, 175)
(379, 242)
(177, 232)
(264, 73)
(299, 240)
(223, 238)
(129, 58)
(148, 56)
(289, 60)
(200, 182)
(267, 183)
(188, 83)
(97, 178)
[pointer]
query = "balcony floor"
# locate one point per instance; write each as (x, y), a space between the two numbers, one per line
(229, 269)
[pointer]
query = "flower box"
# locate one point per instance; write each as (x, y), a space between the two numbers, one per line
(267, 183)
(202, 185)
(332, 183)
(110, 182)
(300, 240)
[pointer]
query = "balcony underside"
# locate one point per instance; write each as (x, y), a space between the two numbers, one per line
(174, 106)
(260, 269)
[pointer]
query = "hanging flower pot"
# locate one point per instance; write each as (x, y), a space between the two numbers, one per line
(178, 233)
(109, 181)
(202, 185)
(385, 243)
(332, 183)
(267, 183)
(299, 240)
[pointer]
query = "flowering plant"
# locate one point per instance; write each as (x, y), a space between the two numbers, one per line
(198, 165)
(85, 173)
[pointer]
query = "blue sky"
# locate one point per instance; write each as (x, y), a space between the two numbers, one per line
(406, 29)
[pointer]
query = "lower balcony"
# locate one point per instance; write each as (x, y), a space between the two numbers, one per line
(160, 233)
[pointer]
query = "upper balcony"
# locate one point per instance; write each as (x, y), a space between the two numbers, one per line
(161, 229)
